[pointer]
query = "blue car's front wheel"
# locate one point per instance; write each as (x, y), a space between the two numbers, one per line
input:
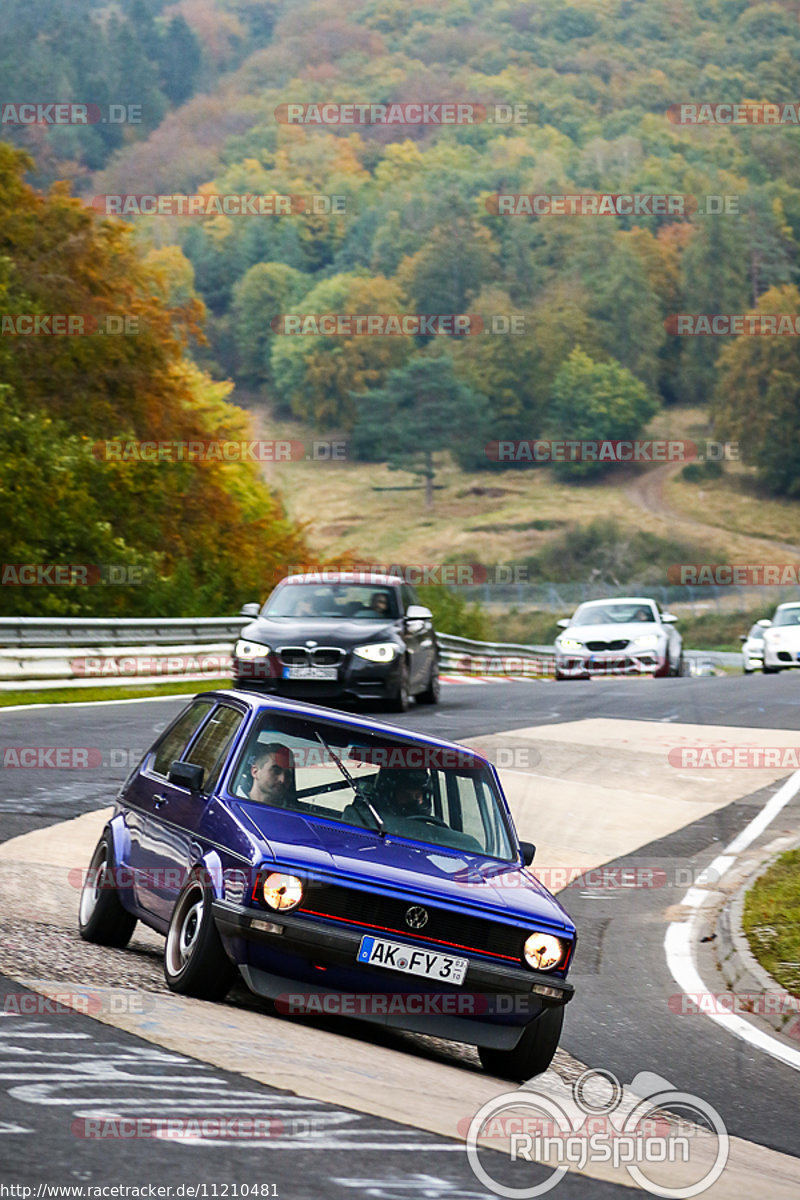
(195, 964)
(101, 916)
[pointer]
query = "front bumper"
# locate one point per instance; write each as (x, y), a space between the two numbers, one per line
(306, 965)
(782, 656)
(585, 664)
(355, 677)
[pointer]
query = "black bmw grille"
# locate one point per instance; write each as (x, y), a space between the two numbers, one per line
(322, 656)
(388, 914)
(619, 644)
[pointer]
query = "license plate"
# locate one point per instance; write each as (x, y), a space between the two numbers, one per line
(428, 963)
(310, 672)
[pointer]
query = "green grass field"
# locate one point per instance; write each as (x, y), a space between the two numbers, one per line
(772, 920)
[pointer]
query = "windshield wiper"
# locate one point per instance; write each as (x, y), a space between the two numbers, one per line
(376, 816)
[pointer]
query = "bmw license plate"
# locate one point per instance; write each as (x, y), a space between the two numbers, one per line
(380, 953)
(310, 672)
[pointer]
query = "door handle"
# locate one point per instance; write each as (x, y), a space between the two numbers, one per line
(158, 801)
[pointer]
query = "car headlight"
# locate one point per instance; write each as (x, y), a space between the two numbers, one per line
(570, 644)
(647, 641)
(282, 892)
(378, 652)
(543, 951)
(245, 649)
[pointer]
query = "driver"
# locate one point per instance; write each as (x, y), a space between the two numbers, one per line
(272, 775)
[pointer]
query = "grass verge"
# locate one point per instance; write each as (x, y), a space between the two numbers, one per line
(82, 695)
(772, 920)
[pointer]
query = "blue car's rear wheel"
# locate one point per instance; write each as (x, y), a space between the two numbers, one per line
(195, 963)
(101, 916)
(533, 1053)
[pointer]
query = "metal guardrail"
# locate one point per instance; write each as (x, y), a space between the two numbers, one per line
(494, 658)
(122, 631)
(41, 653)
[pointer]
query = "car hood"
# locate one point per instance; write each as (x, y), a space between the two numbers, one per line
(613, 632)
(499, 890)
(325, 631)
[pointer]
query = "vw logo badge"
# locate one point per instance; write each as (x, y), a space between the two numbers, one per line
(416, 917)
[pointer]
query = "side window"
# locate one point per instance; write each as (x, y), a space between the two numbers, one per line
(408, 597)
(175, 739)
(211, 748)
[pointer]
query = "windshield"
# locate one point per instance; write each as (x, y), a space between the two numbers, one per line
(787, 616)
(614, 614)
(430, 794)
(352, 601)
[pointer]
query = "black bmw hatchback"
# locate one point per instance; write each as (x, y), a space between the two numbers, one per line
(346, 635)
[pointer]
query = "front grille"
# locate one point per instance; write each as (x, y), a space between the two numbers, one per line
(292, 656)
(327, 656)
(301, 656)
(387, 914)
(619, 644)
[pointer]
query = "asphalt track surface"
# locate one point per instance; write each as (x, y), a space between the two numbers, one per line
(620, 1019)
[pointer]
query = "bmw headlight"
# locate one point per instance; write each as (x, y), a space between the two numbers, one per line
(570, 644)
(648, 641)
(245, 649)
(543, 951)
(378, 652)
(282, 892)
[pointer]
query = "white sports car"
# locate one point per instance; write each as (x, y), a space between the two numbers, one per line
(629, 636)
(782, 639)
(753, 648)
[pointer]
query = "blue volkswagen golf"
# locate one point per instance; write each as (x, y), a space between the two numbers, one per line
(338, 865)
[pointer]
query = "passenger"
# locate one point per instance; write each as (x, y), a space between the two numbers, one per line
(403, 793)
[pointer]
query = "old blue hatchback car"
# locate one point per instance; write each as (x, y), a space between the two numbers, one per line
(342, 866)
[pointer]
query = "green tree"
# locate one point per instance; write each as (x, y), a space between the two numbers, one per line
(316, 374)
(596, 402)
(423, 410)
(757, 399)
(265, 292)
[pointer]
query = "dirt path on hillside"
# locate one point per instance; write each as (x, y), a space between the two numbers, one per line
(647, 492)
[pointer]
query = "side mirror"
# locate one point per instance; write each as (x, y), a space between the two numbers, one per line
(564, 623)
(742, 637)
(187, 775)
(251, 609)
(418, 612)
(528, 852)
(668, 618)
